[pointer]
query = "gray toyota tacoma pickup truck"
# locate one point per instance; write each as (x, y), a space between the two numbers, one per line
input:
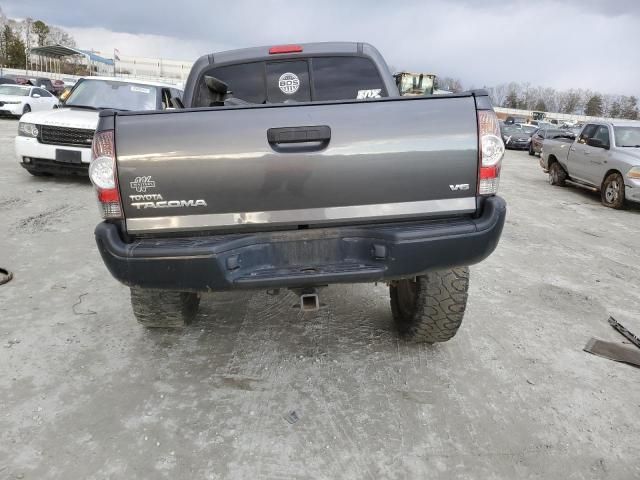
(300, 166)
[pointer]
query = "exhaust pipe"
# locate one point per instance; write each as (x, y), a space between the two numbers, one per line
(309, 301)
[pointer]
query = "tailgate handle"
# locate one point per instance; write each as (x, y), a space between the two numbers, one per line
(317, 133)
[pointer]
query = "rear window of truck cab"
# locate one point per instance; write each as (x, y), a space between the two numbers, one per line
(296, 80)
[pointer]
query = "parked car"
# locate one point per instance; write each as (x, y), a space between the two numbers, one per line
(575, 129)
(510, 120)
(45, 83)
(317, 179)
(69, 81)
(541, 134)
(539, 123)
(543, 125)
(24, 81)
(17, 100)
(605, 158)
(515, 138)
(60, 141)
(58, 87)
(7, 81)
(527, 128)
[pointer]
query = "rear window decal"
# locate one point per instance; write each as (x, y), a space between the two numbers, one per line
(372, 93)
(289, 83)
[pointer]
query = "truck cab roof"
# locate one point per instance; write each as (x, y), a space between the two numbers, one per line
(269, 56)
(294, 50)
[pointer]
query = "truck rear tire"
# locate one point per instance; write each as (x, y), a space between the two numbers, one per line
(163, 308)
(557, 175)
(430, 307)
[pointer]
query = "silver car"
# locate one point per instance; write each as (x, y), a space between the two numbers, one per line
(605, 158)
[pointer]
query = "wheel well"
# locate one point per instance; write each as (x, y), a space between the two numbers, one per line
(551, 160)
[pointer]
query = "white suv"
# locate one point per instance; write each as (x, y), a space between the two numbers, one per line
(59, 141)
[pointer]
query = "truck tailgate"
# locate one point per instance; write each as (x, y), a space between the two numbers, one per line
(228, 168)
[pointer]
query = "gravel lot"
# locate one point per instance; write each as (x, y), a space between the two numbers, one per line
(87, 394)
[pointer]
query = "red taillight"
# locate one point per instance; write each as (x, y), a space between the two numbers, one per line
(105, 196)
(489, 172)
(102, 173)
(491, 152)
(285, 49)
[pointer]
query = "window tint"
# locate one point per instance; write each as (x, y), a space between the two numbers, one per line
(278, 81)
(44, 93)
(288, 81)
(602, 134)
(587, 132)
(245, 81)
(342, 78)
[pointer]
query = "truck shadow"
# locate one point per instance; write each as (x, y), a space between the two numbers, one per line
(352, 318)
(60, 180)
(595, 197)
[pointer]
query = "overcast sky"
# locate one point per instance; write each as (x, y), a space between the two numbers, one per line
(573, 43)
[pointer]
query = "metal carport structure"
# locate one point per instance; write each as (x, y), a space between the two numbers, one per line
(49, 58)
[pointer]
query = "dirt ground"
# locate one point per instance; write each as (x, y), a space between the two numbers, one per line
(85, 393)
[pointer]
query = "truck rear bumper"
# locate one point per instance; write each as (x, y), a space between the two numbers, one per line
(303, 257)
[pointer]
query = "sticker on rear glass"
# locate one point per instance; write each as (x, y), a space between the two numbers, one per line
(374, 93)
(140, 89)
(289, 83)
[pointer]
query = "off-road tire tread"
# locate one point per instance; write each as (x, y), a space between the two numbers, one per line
(441, 301)
(163, 308)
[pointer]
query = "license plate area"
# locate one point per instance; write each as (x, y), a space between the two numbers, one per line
(68, 156)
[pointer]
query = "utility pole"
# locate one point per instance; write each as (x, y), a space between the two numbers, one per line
(27, 48)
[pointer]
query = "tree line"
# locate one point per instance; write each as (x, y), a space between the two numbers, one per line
(578, 101)
(18, 36)
(574, 101)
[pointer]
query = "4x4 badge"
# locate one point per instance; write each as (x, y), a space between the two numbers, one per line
(140, 184)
